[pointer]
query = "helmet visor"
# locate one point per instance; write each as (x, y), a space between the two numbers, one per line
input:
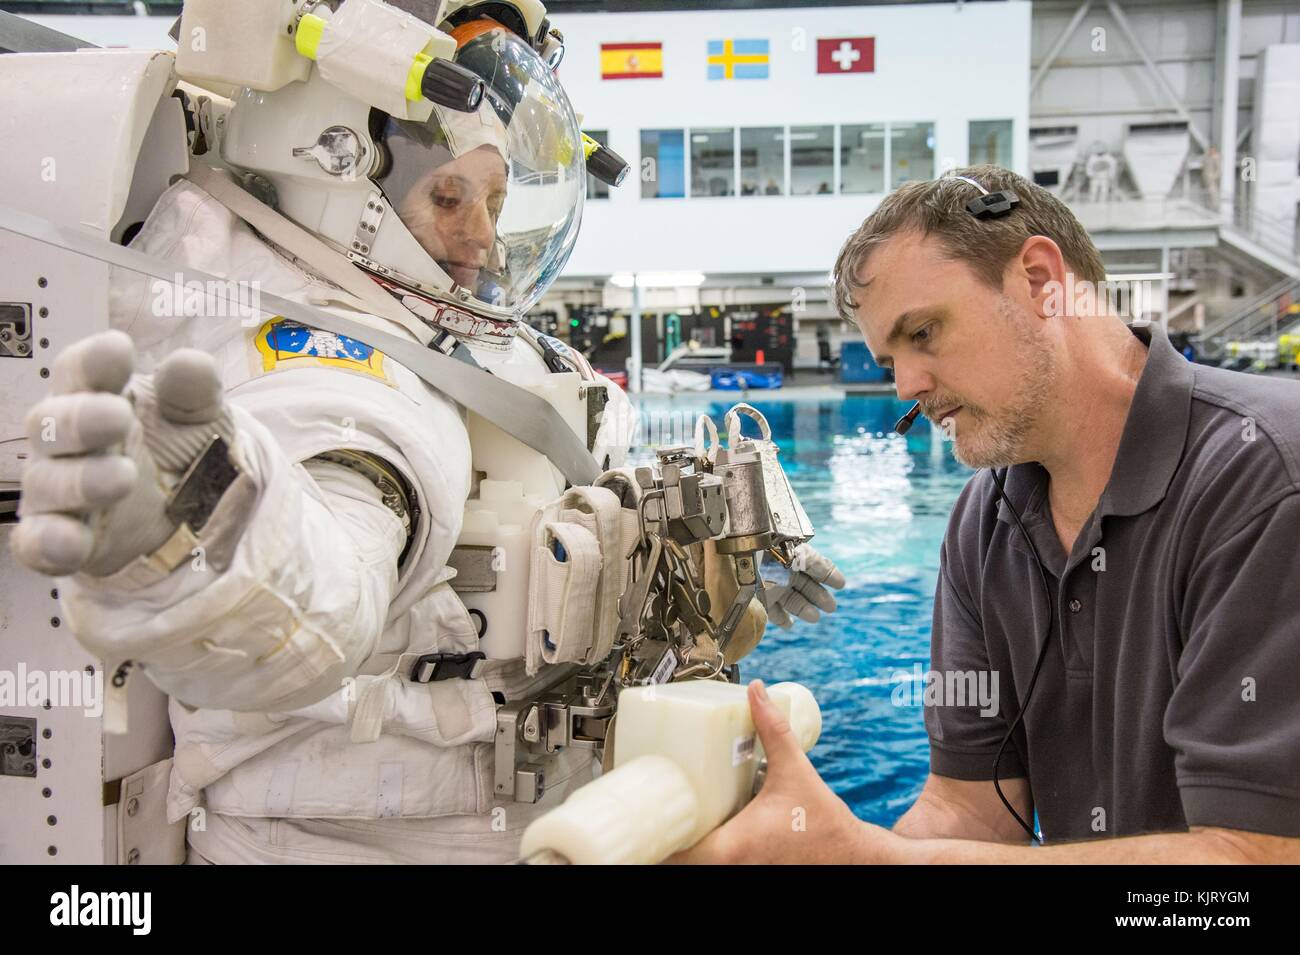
(494, 196)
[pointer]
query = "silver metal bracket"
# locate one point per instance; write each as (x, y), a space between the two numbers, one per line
(17, 746)
(15, 330)
(529, 731)
(368, 224)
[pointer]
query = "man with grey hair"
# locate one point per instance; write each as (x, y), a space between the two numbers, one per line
(1128, 576)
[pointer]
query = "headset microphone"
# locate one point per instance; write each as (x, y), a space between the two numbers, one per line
(904, 424)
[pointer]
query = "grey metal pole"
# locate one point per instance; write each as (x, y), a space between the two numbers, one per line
(1164, 287)
(1231, 40)
(634, 368)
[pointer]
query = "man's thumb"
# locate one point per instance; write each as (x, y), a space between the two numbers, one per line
(773, 728)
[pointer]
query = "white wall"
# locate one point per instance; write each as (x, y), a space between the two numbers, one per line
(1276, 137)
(930, 66)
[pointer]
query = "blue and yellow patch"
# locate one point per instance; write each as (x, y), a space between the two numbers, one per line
(285, 344)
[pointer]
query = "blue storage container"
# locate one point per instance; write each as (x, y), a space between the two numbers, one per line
(735, 379)
(856, 364)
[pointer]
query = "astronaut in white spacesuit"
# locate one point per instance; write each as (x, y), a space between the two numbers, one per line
(327, 701)
(286, 648)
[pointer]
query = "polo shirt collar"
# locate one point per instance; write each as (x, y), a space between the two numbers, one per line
(1150, 448)
(1155, 433)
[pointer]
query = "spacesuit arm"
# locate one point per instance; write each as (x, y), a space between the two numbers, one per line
(298, 605)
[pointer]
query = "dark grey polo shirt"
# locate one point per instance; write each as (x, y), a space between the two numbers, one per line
(1170, 696)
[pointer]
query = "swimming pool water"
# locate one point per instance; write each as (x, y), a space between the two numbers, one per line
(880, 505)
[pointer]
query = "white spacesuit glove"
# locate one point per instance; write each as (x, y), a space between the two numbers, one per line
(805, 595)
(108, 449)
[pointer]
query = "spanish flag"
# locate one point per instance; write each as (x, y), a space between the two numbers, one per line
(631, 61)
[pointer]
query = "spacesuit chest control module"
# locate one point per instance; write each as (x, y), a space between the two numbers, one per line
(339, 535)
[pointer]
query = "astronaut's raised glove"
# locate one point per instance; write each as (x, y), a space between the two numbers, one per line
(108, 449)
(806, 595)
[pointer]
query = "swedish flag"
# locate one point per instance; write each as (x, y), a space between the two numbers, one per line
(738, 59)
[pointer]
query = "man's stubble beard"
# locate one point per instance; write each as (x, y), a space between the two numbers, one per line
(1003, 435)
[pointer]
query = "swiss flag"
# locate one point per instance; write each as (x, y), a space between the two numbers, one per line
(853, 54)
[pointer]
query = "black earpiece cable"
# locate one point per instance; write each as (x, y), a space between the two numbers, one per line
(1038, 665)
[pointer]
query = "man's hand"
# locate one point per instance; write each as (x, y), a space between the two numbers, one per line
(795, 818)
(107, 449)
(806, 596)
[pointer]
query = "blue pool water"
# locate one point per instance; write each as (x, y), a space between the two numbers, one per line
(880, 504)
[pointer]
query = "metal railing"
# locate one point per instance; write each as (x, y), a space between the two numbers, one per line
(1265, 314)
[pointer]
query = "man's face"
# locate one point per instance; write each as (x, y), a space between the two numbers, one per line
(971, 355)
(453, 209)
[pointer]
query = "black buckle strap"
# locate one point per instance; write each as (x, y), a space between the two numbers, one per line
(551, 354)
(432, 667)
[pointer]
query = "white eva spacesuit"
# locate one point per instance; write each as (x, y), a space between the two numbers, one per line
(289, 655)
(323, 559)
(321, 549)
